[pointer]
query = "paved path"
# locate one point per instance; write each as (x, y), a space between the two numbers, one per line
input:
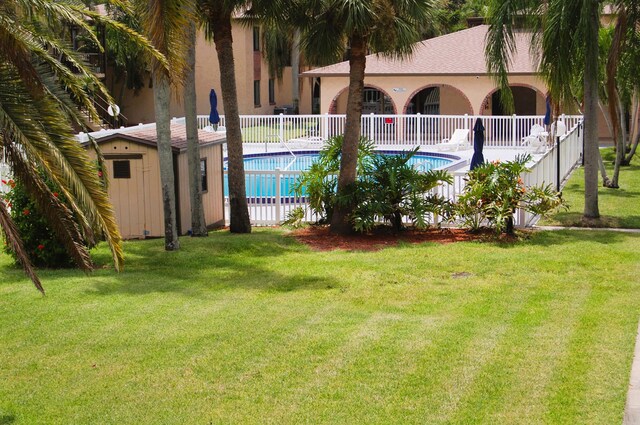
(598, 229)
(632, 408)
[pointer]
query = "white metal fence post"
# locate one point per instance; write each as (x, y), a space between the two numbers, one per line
(281, 128)
(278, 174)
(419, 128)
(325, 126)
(513, 130)
(371, 118)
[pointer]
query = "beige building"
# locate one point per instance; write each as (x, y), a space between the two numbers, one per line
(446, 75)
(258, 92)
(131, 156)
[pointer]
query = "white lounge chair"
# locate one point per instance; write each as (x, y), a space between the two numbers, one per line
(458, 140)
(536, 141)
(308, 142)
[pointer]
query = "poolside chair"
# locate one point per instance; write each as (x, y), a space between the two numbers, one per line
(458, 140)
(536, 141)
(307, 142)
(558, 129)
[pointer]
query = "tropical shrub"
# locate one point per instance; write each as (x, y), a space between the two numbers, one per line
(392, 189)
(39, 241)
(495, 190)
(319, 183)
(387, 188)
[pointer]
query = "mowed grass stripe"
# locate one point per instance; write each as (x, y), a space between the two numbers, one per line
(490, 399)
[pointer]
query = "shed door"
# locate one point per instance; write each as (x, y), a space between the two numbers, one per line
(126, 191)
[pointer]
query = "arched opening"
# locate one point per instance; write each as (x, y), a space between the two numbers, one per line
(430, 101)
(315, 96)
(527, 101)
(374, 101)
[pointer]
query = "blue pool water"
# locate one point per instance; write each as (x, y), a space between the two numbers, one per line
(263, 186)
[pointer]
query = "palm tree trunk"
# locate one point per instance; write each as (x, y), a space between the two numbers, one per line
(239, 211)
(161, 99)
(357, 62)
(295, 71)
(198, 223)
(591, 145)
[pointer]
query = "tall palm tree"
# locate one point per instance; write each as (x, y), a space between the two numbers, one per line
(566, 32)
(217, 15)
(42, 93)
(388, 27)
(167, 24)
(198, 223)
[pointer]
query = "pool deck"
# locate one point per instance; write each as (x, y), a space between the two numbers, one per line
(490, 154)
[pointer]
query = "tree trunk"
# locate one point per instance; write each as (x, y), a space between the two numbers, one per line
(239, 211)
(591, 145)
(295, 71)
(161, 98)
(357, 61)
(198, 223)
(634, 133)
(620, 143)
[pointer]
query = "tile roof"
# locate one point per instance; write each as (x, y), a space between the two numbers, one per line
(458, 53)
(147, 135)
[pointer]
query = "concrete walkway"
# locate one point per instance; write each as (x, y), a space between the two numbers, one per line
(632, 408)
(597, 229)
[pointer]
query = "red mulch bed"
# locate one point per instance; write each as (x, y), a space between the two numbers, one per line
(319, 238)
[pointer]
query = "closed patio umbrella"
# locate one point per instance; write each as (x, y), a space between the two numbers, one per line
(214, 117)
(478, 143)
(547, 113)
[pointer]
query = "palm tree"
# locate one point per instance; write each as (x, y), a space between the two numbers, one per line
(388, 27)
(567, 33)
(167, 25)
(198, 223)
(42, 93)
(217, 16)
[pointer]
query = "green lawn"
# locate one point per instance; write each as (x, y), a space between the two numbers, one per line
(618, 207)
(260, 329)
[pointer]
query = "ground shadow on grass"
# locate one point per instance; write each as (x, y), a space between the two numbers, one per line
(7, 419)
(575, 219)
(203, 265)
(560, 237)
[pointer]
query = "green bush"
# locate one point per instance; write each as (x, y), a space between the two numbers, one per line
(40, 242)
(392, 189)
(495, 190)
(387, 188)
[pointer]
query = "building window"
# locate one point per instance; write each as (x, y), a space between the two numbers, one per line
(256, 93)
(256, 39)
(203, 171)
(121, 169)
(272, 91)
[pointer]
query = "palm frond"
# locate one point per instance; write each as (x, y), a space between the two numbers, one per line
(59, 217)
(13, 239)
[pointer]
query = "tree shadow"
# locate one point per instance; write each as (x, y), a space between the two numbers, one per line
(210, 265)
(559, 237)
(7, 419)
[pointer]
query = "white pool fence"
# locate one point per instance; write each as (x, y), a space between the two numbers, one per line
(386, 130)
(552, 167)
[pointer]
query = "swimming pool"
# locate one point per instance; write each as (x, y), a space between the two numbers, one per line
(260, 178)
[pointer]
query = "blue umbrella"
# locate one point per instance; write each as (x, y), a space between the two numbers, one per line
(478, 143)
(214, 118)
(547, 113)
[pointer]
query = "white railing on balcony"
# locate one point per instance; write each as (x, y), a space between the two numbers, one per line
(270, 196)
(385, 130)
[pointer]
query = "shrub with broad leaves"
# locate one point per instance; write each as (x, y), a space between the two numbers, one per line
(39, 240)
(494, 191)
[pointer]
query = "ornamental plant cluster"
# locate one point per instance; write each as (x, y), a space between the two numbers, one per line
(40, 242)
(494, 191)
(389, 190)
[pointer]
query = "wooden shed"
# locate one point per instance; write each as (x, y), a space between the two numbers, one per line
(133, 170)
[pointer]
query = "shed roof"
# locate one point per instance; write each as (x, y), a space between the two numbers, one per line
(147, 135)
(458, 53)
